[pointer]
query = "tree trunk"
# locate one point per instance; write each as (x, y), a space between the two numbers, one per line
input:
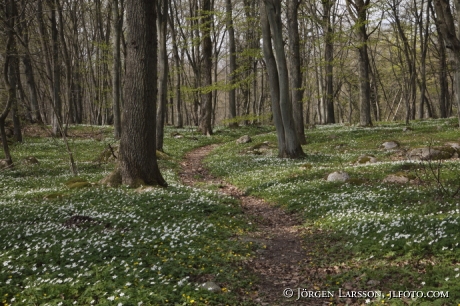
(273, 80)
(11, 51)
(204, 124)
(163, 70)
(446, 23)
(328, 58)
(116, 69)
(293, 148)
(232, 65)
(56, 118)
(138, 162)
(178, 73)
(295, 71)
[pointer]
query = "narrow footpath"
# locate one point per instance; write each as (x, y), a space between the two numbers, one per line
(282, 264)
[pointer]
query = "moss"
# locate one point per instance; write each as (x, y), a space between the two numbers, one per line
(163, 156)
(75, 180)
(54, 196)
(78, 185)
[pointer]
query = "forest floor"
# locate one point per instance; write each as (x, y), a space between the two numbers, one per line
(281, 262)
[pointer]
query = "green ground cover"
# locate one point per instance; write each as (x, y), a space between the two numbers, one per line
(152, 248)
(365, 234)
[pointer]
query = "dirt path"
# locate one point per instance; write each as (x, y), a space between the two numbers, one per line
(282, 263)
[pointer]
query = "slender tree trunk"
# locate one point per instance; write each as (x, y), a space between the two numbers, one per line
(178, 73)
(13, 74)
(116, 68)
(232, 65)
(163, 70)
(295, 71)
(328, 58)
(56, 118)
(138, 162)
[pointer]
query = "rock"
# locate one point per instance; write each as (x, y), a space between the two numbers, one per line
(366, 159)
(373, 282)
(453, 145)
(399, 178)
(243, 139)
(30, 160)
(338, 176)
(428, 153)
(390, 145)
(211, 286)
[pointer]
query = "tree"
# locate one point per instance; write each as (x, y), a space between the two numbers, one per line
(116, 69)
(205, 125)
(358, 12)
(232, 64)
(295, 69)
(288, 142)
(138, 163)
(163, 70)
(445, 21)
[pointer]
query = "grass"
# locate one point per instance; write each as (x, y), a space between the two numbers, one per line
(373, 235)
(101, 246)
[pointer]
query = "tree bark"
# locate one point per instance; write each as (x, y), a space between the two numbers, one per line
(138, 163)
(204, 124)
(293, 148)
(163, 70)
(328, 58)
(232, 64)
(116, 68)
(273, 80)
(295, 69)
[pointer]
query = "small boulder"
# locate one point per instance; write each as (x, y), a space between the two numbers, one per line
(211, 286)
(399, 178)
(243, 139)
(428, 153)
(366, 159)
(338, 176)
(390, 145)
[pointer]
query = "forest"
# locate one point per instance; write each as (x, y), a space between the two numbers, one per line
(237, 152)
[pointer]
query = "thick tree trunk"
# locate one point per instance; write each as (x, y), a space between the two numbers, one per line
(13, 75)
(445, 21)
(11, 52)
(138, 162)
(295, 71)
(232, 64)
(293, 148)
(204, 124)
(163, 71)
